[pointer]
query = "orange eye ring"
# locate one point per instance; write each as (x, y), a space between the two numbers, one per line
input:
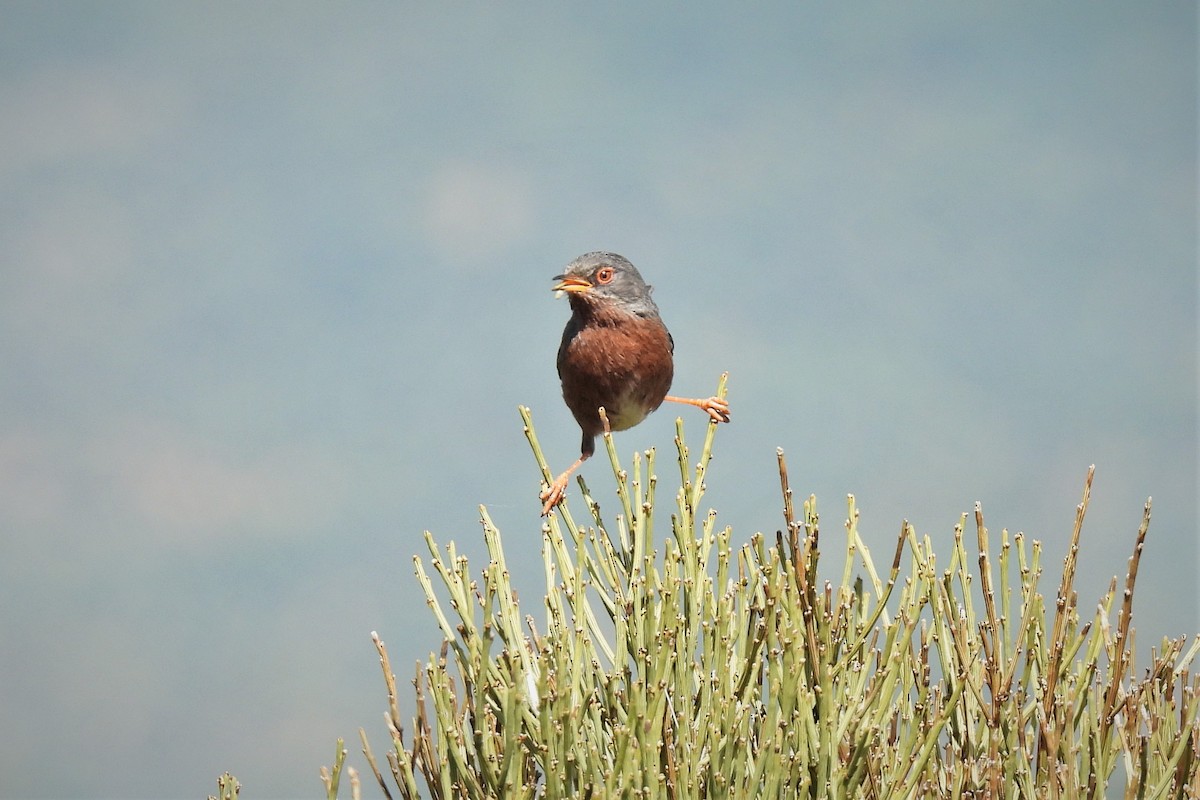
(605, 275)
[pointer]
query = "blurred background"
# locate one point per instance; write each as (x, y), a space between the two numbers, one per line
(274, 278)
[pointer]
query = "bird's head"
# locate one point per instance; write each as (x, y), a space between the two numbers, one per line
(606, 279)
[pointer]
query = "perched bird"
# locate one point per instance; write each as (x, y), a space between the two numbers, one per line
(616, 354)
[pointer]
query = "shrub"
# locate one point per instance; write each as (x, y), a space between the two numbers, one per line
(685, 665)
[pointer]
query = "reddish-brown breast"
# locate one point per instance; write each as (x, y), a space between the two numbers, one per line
(615, 359)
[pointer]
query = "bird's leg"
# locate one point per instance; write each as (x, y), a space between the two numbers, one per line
(716, 408)
(554, 493)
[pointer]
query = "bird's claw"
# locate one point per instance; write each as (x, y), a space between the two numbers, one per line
(553, 494)
(717, 409)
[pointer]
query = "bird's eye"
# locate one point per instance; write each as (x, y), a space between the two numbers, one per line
(605, 275)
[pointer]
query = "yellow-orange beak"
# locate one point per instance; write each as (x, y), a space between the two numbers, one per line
(572, 285)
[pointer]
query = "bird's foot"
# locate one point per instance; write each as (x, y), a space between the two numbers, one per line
(716, 408)
(553, 494)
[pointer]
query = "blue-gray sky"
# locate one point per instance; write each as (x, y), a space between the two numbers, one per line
(276, 276)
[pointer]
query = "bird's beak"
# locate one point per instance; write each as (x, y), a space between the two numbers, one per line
(572, 285)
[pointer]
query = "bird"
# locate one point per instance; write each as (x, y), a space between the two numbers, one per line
(615, 354)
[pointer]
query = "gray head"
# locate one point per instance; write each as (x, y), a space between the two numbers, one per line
(606, 278)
